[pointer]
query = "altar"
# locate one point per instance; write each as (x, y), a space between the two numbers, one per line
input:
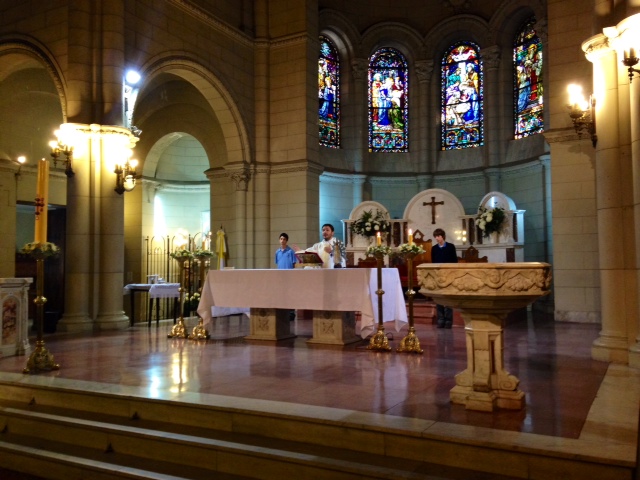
(333, 294)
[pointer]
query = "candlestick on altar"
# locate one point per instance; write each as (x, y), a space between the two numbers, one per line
(179, 329)
(410, 343)
(199, 332)
(378, 239)
(410, 237)
(379, 340)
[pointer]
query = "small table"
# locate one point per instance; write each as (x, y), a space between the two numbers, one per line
(156, 291)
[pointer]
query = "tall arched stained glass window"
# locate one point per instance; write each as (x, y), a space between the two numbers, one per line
(462, 94)
(388, 111)
(527, 80)
(328, 94)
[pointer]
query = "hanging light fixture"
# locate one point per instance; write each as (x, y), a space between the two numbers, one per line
(126, 176)
(630, 60)
(582, 113)
(60, 146)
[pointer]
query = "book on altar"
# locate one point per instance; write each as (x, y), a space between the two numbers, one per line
(308, 259)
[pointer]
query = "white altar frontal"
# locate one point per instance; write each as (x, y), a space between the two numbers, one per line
(333, 294)
(14, 295)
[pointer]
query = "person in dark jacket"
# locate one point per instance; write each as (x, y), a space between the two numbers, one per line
(443, 252)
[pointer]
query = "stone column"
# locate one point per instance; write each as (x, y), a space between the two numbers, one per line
(358, 188)
(425, 158)
(492, 143)
(241, 180)
(79, 283)
(358, 143)
(612, 344)
(8, 189)
(262, 224)
(112, 143)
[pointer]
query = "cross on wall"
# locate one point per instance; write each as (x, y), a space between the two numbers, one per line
(432, 204)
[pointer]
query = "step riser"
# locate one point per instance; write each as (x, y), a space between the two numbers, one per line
(369, 441)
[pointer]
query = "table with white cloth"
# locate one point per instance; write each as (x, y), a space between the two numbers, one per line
(320, 290)
(156, 291)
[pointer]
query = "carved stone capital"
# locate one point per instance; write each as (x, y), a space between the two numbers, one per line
(241, 179)
(359, 68)
(491, 57)
(424, 70)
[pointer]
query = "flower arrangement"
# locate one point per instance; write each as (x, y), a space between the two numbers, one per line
(191, 303)
(40, 250)
(202, 254)
(182, 254)
(409, 248)
(378, 250)
(490, 221)
(370, 223)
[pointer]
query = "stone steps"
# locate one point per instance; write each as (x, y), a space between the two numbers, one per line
(66, 433)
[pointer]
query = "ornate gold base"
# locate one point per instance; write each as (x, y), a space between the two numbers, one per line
(410, 343)
(379, 341)
(199, 332)
(179, 330)
(40, 360)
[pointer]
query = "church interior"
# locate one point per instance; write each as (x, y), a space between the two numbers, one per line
(149, 147)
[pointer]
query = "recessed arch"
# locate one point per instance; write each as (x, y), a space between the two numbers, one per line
(219, 98)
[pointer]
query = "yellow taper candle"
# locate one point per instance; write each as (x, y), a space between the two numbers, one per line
(42, 195)
(410, 237)
(379, 239)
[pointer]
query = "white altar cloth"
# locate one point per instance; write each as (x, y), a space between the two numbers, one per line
(346, 289)
(156, 290)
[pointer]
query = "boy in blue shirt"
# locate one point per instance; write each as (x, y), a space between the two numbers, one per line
(285, 256)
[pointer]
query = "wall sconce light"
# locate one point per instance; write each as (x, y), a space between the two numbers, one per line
(630, 60)
(582, 113)
(20, 161)
(125, 176)
(58, 147)
(461, 236)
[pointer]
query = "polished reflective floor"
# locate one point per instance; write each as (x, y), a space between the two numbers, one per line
(551, 359)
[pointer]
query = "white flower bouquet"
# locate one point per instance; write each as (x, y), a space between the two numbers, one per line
(370, 223)
(378, 250)
(182, 254)
(409, 248)
(40, 250)
(490, 220)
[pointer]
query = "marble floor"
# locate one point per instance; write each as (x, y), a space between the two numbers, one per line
(568, 395)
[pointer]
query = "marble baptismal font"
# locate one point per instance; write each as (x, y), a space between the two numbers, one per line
(485, 293)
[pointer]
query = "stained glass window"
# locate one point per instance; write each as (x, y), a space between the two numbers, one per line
(527, 80)
(462, 97)
(388, 111)
(328, 94)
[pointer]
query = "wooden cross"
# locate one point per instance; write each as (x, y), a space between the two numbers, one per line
(433, 204)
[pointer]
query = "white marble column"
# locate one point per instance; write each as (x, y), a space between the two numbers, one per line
(425, 155)
(612, 344)
(112, 143)
(79, 284)
(241, 178)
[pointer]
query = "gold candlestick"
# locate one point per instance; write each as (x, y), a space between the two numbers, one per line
(179, 330)
(410, 343)
(379, 340)
(199, 332)
(40, 359)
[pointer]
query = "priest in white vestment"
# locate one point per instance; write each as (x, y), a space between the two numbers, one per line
(331, 250)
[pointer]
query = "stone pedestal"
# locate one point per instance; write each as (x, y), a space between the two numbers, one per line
(15, 316)
(485, 293)
(269, 324)
(334, 328)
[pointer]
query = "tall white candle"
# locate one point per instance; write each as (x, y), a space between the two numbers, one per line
(42, 195)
